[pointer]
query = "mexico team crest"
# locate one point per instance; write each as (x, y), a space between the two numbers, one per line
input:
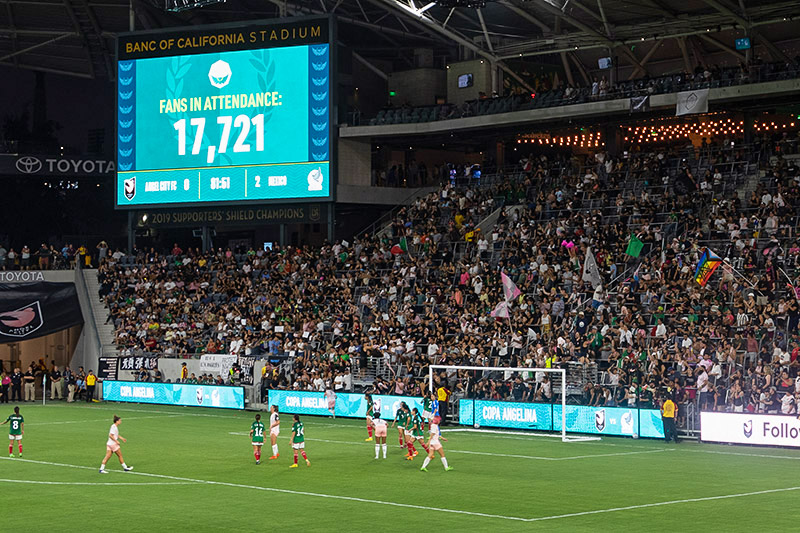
(21, 322)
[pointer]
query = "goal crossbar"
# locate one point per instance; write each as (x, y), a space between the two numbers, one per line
(561, 371)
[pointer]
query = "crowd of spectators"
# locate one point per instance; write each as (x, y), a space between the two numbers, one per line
(422, 290)
(49, 257)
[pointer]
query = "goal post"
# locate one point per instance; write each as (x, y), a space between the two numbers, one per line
(562, 377)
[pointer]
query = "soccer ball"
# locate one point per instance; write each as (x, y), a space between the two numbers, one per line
(635, 436)
(477, 425)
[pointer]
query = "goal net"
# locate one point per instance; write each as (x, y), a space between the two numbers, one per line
(539, 391)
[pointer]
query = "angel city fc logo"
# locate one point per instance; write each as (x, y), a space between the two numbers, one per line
(129, 187)
(747, 428)
(29, 165)
(21, 322)
(220, 74)
(600, 419)
(200, 396)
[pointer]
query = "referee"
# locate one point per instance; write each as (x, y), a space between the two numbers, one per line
(668, 411)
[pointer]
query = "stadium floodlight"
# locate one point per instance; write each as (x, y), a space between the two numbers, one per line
(560, 371)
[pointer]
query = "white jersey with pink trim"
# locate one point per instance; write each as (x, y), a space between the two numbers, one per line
(113, 431)
(434, 431)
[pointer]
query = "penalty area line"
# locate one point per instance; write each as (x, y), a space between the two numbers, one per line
(124, 484)
(660, 504)
(285, 491)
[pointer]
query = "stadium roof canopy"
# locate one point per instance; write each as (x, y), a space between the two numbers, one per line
(76, 37)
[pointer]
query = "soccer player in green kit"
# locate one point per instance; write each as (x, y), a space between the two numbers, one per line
(400, 420)
(409, 430)
(257, 436)
(15, 431)
(418, 430)
(298, 441)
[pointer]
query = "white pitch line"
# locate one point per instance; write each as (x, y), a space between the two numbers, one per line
(660, 504)
(129, 410)
(60, 422)
(286, 491)
(147, 484)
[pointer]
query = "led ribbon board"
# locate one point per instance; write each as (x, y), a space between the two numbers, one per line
(225, 114)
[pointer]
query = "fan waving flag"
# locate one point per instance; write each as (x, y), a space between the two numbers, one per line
(634, 246)
(400, 248)
(501, 311)
(510, 290)
(708, 263)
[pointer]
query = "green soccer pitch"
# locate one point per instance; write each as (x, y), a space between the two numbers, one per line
(194, 470)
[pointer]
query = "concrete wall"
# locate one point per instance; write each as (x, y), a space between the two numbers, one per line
(349, 194)
(418, 87)
(481, 76)
(56, 347)
(355, 162)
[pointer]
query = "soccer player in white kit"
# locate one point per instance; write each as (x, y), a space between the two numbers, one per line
(330, 396)
(435, 446)
(113, 446)
(274, 431)
(380, 433)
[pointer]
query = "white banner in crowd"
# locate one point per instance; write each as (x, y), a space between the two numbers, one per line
(218, 365)
(690, 102)
(746, 428)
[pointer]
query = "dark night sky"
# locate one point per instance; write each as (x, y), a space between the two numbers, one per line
(77, 104)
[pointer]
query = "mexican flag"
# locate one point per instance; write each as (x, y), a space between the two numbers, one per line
(634, 246)
(400, 248)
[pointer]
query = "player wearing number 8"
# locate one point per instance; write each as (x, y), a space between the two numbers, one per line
(15, 431)
(299, 441)
(257, 437)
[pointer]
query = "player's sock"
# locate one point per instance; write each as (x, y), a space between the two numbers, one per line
(274, 449)
(400, 439)
(377, 450)
(424, 447)
(369, 431)
(412, 448)
(20, 449)
(124, 465)
(102, 466)
(426, 462)
(295, 457)
(304, 455)
(444, 462)
(384, 451)
(258, 456)
(10, 448)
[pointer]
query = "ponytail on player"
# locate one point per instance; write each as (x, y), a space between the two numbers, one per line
(116, 419)
(258, 417)
(297, 418)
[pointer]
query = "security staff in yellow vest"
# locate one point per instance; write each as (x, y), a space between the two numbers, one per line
(668, 412)
(91, 380)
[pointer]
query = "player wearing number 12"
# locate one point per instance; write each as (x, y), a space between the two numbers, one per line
(15, 431)
(299, 441)
(257, 437)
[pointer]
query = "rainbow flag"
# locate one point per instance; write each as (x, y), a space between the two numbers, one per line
(706, 266)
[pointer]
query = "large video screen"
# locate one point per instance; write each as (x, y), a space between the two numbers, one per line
(224, 115)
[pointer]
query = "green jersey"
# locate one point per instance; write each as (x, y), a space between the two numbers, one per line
(16, 422)
(426, 405)
(409, 422)
(258, 431)
(419, 426)
(297, 429)
(370, 407)
(400, 418)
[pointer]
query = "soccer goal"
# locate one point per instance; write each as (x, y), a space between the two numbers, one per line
(559, 374)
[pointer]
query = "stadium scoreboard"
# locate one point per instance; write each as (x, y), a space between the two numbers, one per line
(217, 115)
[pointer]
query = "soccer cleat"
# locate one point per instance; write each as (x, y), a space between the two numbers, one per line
(128, 468)
(103, 471)
(258, 461)
(20, 456)
(293, 466)
(368, 439)
(11, 455)
(423, 469)
(448, 468)
(274, 457)
(416, 453)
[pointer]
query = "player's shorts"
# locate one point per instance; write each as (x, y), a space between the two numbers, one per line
(369, 420)
(435, 446)
(275, 431)
(408, 433)
(298, 445)
(419, 435)
(15, 437)
(427, 415)
(380, 431)
(258, 443)
(113, 448)
(332, 404)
